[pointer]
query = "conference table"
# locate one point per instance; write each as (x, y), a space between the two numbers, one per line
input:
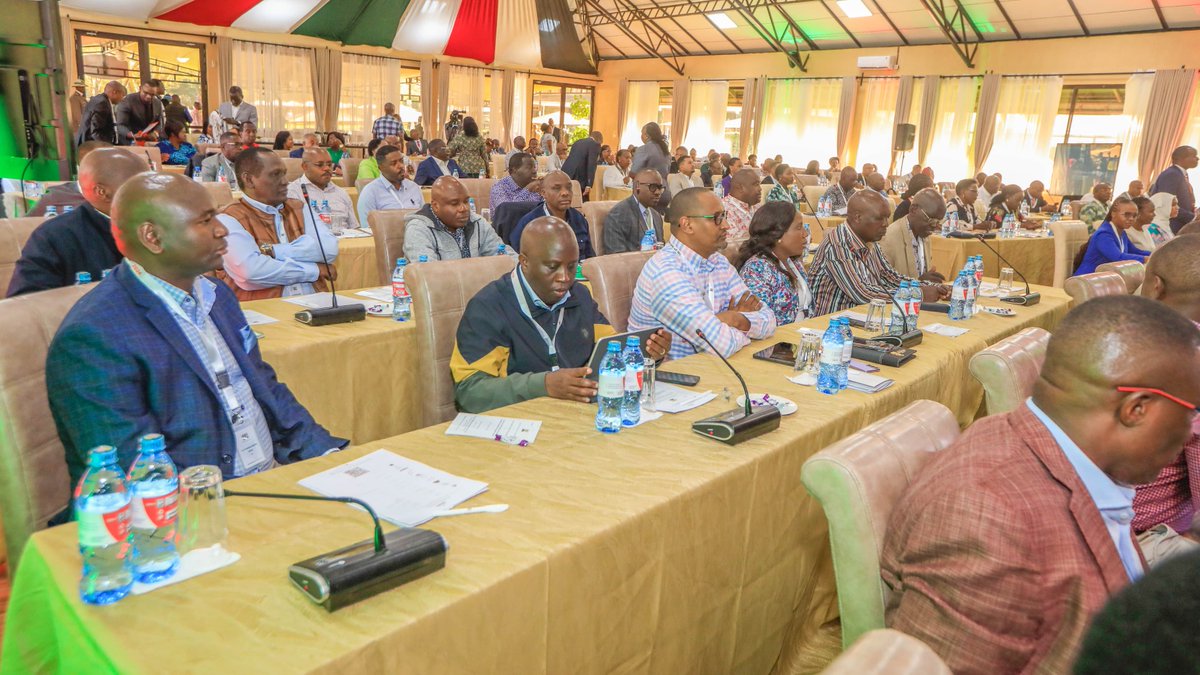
(356, 266)
(817, 226)
(1032, 256)
(651, 550)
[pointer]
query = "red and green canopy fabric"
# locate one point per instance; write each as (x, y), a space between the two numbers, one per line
(526, 33)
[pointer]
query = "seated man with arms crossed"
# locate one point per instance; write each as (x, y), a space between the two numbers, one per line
(1007, 542)
(445, 228)
(159, 348)
(530, 333)
(277, 246)
(689, 284)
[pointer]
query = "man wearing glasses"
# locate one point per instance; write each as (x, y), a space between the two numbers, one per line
(906, 243)
(1009, 541)
(690, 285)
(218, 167)
(630, 219)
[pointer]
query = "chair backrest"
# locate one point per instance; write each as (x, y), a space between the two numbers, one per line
(543, 163)
(360, 183)
(1008, 368)
(480, 189)
(598, 181)
(350, 170)
(596, 212)
(1069, 237)
(294, 170)
(282, 153)
(440, 292)
(221, 193)
(576, 194)
(804, 180)
(1095, 285)
(814, 193)
(614, 278)
(387, 227)
(1076, 207)
(858, 481)
(14, 232)
(34, 484)
(506, 216)
(499, 166)
(888, 652)
(766, 189)
(1132, 271)
(150, 152)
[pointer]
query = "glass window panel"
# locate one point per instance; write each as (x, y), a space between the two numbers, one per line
(107, 58)
(180, 67)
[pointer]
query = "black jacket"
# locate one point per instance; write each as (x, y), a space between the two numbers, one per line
(97, 123)
(133, 116)
(581, 162)
(79, 241)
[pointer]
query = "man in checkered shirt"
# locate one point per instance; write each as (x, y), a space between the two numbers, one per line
(388, 125)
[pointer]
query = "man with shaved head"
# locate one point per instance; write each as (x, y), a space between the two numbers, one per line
(66, 194)
(631, 218)
(316, 187)
(99, 119)
(741, 202)
(531, 332)
(906, 244)
(278, 247)
(81, 240)
(445, 228)
(1008, 541)
(158, 347)
(849, 268)
(557, 196)
(839, 193)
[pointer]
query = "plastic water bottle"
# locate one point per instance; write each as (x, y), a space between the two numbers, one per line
(977, 268)
(51, 211)
(1065, 211)
(502, 250)
(831, 359)
(83, 278)
(971, 295)
(401, 300)
(422, 258)
(915, 297)
(102, 508)
(635, 364)
(899, 313)
(718, 188)
(196, 173)
(958, 297)
(154, 484)
(610, 394)
(471, 201)
(68, 208)
(222, 177)
(648, 240)
(953, 219)
(847, 353)
(104, 273)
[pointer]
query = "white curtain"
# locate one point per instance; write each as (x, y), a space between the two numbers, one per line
(367, 83)
(641, 108)
(1191, 136)
(466, 93)
(800, 119)
(1137, 98)
(950, 135)
(520, 107)
(1021, 149)
(877, 98)
(278, 81)
(706, 123)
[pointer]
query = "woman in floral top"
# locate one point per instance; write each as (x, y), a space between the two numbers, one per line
(783, 192)
(771, 261)
(469, 150)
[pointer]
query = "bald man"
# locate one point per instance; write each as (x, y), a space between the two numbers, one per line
(66, 194)
(1009, 540)
(850, 269)
(557, 197)
(631, 218)
(81, 240)
(906, 244)
(315, 186)
(160, 348)
(531, 332)
(840, 192)
(741, 202)
(99, 119)
(445, 228)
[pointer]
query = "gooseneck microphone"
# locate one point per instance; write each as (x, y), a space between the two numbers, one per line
(810, 208)
(1030, 297)
(359, 571)
(739, 424)
(324, 316)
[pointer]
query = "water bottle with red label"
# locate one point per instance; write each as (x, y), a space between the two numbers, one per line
(102, 509)
(154, 485)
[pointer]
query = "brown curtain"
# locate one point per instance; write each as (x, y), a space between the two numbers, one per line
(929, 102)
(224, 68)
(1166, 118)
(429, 99)
(681, 108)
(760, 97)
(622, 113)
(443, 99)
(846, 113)
(327, 87)
(903, 106)
(985, 119)
(752, 102)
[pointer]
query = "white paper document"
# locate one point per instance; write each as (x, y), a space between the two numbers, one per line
(503, 429)
(866, 382)
(382, 294)
(669, 398)
(319, 300)
(944, 330)
(353, 234)
(254, 318)
(402, 491)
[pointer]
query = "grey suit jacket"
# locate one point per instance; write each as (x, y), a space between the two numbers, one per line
(624, 227)
(211, 166)
(246, 113)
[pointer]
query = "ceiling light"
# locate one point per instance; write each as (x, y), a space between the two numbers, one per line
(854, 9)
(182, 59)
(721, 20)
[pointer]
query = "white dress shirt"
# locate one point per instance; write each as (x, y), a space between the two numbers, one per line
(339, 201)
(381, 195)
(614, 177)
(295, 263)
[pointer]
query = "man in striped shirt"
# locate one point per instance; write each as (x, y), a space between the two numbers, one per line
(849, 268)
(690, 285)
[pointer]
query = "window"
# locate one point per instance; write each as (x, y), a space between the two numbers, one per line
(569, 106)
(278, 81)
(664, 112)
(102, 57)
(733, 120)
(1090, 114)
(368, 82)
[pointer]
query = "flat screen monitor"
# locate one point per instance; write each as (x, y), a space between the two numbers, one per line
(1079, 166)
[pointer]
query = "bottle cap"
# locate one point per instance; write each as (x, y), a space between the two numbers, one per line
(152, 443)
(101, 455)
(633, 341)
(614, 346)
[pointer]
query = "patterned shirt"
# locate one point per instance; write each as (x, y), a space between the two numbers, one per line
(788, 299)
(469, 153)
(177, 156)
(846, 272)
(682, 292)
(738, 215)
(506, 190)
(386, 126)
(1093, 213)
(779, 193)
(838, 198)
(967, 217)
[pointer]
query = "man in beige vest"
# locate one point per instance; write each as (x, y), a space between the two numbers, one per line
(278, 247)
(906, 244)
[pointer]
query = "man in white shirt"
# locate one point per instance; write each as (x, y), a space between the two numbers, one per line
(276, 247)
(317, 181)
(235, 112)
(392, 190)
(617, 175)
(990, 187)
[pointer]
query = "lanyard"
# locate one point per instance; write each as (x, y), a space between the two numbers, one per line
(213, 354)
(548, 339)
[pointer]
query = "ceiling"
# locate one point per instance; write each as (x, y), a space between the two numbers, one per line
(672, 28)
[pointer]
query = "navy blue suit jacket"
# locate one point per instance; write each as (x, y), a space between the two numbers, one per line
(1172, 181)
(429, 171)
(120, 367)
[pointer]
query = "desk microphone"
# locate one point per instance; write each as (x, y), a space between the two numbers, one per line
(324, 316)
(359, 571)
(739, 424)
(1029, 298)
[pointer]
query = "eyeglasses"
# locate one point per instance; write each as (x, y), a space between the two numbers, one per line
(717, 218)
(1159, 392)
(653, 187)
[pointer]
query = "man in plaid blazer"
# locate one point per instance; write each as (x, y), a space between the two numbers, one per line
(1007, 543)
(136, 355)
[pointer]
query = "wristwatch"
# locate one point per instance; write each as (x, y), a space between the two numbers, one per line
(267, 249)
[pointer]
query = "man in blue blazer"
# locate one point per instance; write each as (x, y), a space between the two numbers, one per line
(1174, 180)
(159, 348)
(436, 165)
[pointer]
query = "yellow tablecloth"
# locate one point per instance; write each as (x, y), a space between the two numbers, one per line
(652, 550)
(1033, 257)
(356, 263)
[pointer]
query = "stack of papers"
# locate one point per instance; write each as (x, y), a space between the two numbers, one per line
(402, 491)
(866, 382)
(669, 398)
(254, 318)
(382, 294)
(503, 429)
(944, 330)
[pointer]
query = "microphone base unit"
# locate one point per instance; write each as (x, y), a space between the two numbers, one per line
(734, 426)
(910, 339)
(1027, 299)
(343, 577)
(326, 316)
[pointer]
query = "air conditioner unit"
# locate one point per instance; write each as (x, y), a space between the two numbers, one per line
(877, 62)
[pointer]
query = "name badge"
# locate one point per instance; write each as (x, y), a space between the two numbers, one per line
(249, 450)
